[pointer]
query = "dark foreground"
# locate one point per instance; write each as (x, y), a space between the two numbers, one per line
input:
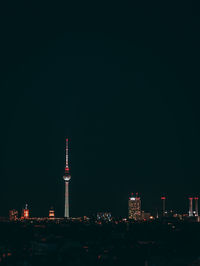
(83, 243)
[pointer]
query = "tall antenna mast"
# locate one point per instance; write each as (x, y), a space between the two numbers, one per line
(67, 158)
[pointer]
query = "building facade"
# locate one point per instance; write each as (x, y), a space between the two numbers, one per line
(13, 215)
(134, 207)
(25, 213)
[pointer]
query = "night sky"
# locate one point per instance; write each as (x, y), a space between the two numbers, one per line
(122, 83)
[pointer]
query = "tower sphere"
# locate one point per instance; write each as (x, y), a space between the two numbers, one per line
(67, 177)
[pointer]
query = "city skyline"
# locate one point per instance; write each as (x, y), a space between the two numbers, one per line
(134, 210)
(157, 207)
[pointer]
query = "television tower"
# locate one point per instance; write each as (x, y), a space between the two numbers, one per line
(66, 177)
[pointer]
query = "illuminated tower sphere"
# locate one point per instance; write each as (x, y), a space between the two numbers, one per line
(66, 177)
(134, 207)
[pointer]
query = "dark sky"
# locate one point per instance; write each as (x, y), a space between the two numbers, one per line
(122, 82)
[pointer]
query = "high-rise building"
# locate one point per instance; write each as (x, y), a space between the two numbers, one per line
(51, 214)
(67, 178)
(25, 212)
(190, 206)
(13, 215)
(163, 205)
(196, 199)
(134, 207)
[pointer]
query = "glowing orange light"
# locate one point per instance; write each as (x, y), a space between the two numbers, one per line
(51, 214)
(26, 213)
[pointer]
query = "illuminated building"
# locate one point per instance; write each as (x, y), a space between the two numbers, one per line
(25, 213)
(163, 205)
(196, 199)
(104, 216)
(146, 216)
(134, 207)
(190, 206)
(67, 178)
(51, 213)
(13, 215)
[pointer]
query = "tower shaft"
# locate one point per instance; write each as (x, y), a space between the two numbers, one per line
(66, 215)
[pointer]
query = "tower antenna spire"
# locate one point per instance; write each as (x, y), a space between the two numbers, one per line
(67, 157)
